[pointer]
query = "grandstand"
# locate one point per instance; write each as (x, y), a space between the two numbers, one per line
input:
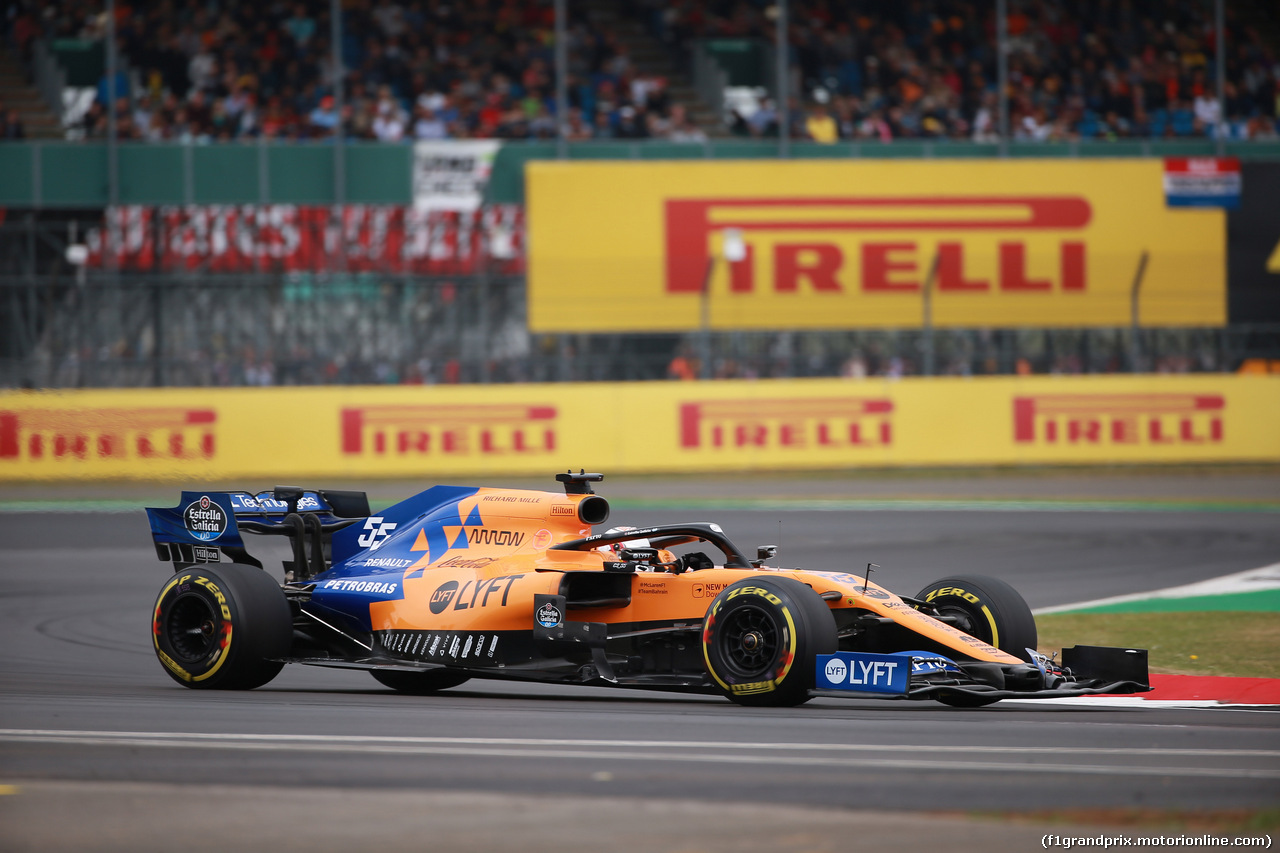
(869, 70)
(252, 221)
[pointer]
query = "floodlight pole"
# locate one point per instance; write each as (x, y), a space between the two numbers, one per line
(113, 152)
(562, 80)
(339, 134)
(784, 90)
(562, 130)
(704, 325)
(1002, 73)
(1135, 351)
(339, 81)
(1220, 36)
(928, 317)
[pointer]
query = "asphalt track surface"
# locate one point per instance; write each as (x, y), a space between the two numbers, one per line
(100, 750)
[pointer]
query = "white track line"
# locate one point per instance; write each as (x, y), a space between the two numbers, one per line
(186, 737)
(1253, 580)
(1105, 701)
(771, 754)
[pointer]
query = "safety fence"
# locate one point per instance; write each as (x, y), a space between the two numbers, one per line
(118, 330)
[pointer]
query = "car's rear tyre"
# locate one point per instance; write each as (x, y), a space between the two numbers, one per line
(223, 628)
(760, 637)
(419, 683)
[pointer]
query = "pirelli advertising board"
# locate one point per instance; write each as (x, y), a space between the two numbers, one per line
(439, 432)
(631, 246)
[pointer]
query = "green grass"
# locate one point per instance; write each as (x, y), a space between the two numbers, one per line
(1224, 643)
(1256, 601)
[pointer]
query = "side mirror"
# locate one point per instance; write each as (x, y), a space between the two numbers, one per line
(763, 553)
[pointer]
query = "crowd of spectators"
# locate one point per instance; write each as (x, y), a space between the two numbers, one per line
(414, 69)
(885, 69)
(875, 69)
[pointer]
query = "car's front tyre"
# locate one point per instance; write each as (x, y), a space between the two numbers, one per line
(986, 608)
(760, 637)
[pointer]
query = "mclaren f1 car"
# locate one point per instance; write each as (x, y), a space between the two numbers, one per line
(459, 583)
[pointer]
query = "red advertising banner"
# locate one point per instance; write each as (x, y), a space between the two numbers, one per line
(293, 238)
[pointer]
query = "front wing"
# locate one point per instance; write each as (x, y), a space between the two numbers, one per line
(1083, 671)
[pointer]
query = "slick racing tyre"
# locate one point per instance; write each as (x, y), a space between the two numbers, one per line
(986, 608)
(760, 637)
(221, 627)
(419, 683)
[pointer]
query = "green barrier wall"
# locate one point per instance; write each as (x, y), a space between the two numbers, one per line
(67, 174)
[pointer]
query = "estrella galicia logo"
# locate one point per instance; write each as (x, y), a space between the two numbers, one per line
(442, 596)
(549, 616)
(836, 671)
(204, 519)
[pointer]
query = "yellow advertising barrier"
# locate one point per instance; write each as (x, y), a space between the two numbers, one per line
(354, 432)
(624, 246)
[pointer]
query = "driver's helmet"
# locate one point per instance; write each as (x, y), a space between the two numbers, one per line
(614, 551)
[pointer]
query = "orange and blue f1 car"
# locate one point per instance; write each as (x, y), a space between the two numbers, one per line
(459, 583)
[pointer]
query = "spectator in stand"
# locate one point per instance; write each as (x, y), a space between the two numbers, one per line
(1259, 128)
(543, 125)
(683, 366)
(603, 128)
(301, 27)
(324, 118)
(764, 121)
(1086, 69)
(682, 127)
(578, 129)
(630, 126)
(12, 127)
(389, 125)
(874, 126)
(428, 125)
(820, 126)
(656, 126)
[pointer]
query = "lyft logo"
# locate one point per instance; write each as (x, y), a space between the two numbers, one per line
(863, 672)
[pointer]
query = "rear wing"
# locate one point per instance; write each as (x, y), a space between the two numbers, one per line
(207, 525)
